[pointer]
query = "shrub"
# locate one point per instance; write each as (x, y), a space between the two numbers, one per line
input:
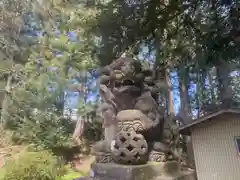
(45, 129)
(34, 166)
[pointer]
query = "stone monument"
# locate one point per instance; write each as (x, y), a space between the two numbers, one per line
(136, 145)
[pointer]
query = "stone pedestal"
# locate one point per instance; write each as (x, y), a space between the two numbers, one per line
(151, 171)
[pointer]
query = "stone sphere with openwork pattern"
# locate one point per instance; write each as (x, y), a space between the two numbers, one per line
(129, 148)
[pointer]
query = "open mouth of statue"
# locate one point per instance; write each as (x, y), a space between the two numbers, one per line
(126, 86)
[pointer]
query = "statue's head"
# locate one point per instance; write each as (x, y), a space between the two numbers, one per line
(123, 75)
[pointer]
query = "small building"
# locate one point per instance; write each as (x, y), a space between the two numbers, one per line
(216, 145)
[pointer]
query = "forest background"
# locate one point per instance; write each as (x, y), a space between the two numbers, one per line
(51, 52)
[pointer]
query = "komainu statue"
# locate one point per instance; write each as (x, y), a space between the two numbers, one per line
(132, 119)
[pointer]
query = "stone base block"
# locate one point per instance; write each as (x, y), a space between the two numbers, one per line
(151, 171)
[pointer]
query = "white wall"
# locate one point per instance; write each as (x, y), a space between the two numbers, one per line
(215, 152)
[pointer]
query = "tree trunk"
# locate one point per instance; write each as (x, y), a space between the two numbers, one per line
(80, 125)
(225, 90)
(159, 76)
(212, 86)
(6, 99)
(197, 95)
(185, 110)
(204, 98)
(170, 95)
(85, 90)
(184, 97)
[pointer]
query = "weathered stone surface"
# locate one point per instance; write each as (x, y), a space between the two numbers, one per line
(127, 100)
(133, 119)
(124, 172)
(150, 171)
(183, 175)
(130, 98)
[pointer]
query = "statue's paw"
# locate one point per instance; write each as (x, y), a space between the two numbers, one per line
(161, 147)
(156, 156)
(148, 123)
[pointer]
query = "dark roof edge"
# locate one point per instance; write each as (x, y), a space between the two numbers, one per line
(185, 129)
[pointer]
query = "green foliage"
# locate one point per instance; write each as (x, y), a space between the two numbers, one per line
(34, 165)
(36, 102)
(71, 174)
(14, 44)
(93, 131)
(34, 113)
(2, 173)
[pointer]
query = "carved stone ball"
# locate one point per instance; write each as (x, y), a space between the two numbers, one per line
(130, 148)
